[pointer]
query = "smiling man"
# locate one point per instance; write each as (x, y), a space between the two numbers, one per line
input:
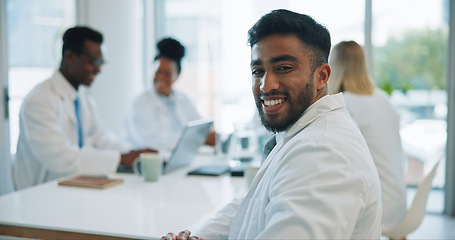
(319, 180)
(60, 130)
(284, 83)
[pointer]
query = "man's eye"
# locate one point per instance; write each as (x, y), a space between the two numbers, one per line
(284, 68)
(256, 72)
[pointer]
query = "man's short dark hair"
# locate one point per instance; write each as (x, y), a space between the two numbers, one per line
(74, 38)
(285, 22)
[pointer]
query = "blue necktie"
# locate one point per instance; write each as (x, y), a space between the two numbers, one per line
(79, 125)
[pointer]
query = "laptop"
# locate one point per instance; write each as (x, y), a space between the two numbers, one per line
(193, 136)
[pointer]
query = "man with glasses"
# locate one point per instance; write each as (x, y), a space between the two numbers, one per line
(60, 130)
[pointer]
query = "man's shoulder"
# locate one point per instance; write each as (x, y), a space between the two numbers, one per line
(330, 130)
(41, 92)
(322, 121)
(331, 140)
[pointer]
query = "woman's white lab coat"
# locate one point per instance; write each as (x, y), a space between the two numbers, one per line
(151, 124)
(380, 125)
(48, 141)
(319, 182)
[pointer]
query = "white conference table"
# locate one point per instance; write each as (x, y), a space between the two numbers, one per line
(134, 209)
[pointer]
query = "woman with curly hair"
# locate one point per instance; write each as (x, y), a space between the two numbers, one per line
(158, 115)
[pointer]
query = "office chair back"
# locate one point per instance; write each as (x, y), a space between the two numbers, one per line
(415, 214)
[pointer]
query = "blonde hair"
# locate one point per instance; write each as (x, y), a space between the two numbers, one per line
(349, 70)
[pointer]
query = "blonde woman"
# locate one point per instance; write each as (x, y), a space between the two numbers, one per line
(378, 121)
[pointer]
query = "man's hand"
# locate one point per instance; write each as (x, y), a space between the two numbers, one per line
(127, 159)
(211, 138)
(183, 235)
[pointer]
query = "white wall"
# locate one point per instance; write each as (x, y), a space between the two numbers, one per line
(121, 23)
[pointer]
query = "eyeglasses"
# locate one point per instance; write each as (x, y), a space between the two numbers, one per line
(96, 62)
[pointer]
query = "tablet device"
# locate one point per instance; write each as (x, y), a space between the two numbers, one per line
(193, 136)
(210, 170)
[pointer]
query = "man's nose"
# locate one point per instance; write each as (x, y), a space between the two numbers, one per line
(269, 82)
(97, 69)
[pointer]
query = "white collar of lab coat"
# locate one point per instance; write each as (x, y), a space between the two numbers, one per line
(62, 86)
(321, 107)
(65, 91)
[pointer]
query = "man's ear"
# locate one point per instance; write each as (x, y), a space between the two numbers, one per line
(69, 56)
(321, 75)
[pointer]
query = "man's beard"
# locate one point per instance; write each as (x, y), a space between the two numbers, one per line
(297, 106)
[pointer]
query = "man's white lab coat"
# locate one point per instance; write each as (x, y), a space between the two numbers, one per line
(151, 124)
(319, 182)
(48, 141)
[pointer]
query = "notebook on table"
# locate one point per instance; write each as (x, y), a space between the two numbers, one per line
(90, 182)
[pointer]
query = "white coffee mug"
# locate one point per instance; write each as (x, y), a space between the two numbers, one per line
(151, 166)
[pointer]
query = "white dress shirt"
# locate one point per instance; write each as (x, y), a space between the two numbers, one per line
(48, 141)
(319, 182)
(379, 123)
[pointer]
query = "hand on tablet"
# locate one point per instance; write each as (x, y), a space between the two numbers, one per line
(211, 138)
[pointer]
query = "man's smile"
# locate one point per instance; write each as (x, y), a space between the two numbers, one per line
(272, 104)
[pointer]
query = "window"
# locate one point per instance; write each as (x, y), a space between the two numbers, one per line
(35, 31)
(410, 63)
